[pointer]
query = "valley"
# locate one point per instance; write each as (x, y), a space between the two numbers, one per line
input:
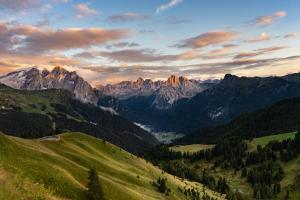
(149, 100)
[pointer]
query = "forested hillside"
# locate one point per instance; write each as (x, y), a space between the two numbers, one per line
(34, 114)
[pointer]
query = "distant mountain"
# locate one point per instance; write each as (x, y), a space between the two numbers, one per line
(218, 104)
(58, 78)
(282, 117)
(164, 93)
(34, 114)
(225, 101)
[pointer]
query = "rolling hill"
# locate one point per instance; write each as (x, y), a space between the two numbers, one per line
(57, 169)
(48, 112)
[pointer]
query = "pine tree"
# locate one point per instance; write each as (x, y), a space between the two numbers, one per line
(94, 188)
(244, 172)
(287, 196)
(162, 187)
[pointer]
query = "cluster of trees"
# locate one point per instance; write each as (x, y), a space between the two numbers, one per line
(260, 168)
(227, 154)
(94, 187)
(265, 180)
(30, 125)
(161, 185)
(172, 162)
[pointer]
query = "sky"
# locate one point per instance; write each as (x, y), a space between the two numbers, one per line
(108, 41)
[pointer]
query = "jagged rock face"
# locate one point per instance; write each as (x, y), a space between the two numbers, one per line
(165, 92)
(58, 78)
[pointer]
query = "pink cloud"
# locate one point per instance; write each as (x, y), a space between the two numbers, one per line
(268, 19)
(33, 39)
(207, 39)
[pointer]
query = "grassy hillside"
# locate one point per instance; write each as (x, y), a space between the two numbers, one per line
(263, 141)
(57, 168)
(191, 148)
(48, 112)
(290, 182)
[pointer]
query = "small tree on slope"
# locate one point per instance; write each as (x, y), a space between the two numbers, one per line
(94, 188)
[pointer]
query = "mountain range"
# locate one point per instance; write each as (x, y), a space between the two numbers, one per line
(163, 93)
(219, 103)
(177, 104)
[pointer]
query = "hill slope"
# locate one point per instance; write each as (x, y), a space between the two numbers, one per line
(58, 169)
(46, 112)
(283, 116)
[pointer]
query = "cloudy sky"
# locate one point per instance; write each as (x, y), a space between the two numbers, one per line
(107, 41)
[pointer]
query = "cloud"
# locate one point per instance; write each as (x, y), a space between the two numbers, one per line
(219, 53)
(267, 20)
(83, 10)
(32, 39)
(246, 55)
(18, 4)
(123, 45)
(127, 17)
(258, 52)
(207, 39)
(61, 1)
(152, 56)
(249, 67)
(263, 37)
(132, 55)
(291, 35)
(271, 49)
(168, 5)
(138, 55)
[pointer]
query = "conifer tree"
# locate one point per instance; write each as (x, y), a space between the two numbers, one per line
(94, 188)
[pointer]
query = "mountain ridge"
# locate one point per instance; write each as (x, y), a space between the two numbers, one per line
(280, 117)
(58, 78)
(166, 92)
(48, 112)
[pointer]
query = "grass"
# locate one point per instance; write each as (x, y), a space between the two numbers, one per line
(191, 148)
(263, 141)
(31, 169)
(291, 169)
(31, 101)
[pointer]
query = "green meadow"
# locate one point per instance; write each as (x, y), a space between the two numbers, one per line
(58, 169)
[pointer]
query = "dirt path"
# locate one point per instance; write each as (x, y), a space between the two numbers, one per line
(50, 138)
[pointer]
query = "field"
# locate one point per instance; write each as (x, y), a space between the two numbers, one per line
(191, 148)
(58, 169)
(263, 141)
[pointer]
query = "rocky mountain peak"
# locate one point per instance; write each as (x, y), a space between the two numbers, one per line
(176, 81)
(59, 70)
(58, 78)
(173, 80)
(230, 77)
(45, 73)
(139, 81)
